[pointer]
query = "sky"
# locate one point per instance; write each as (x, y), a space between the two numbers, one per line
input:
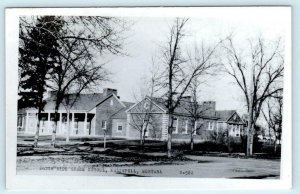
(209, 26)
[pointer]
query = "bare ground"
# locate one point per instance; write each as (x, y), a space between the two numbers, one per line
(128, 163)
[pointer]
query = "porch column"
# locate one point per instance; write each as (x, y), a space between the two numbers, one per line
(94, 125)
(217, 127)
(48, 123)
(60, 122)
(72, 125)
(85, 132)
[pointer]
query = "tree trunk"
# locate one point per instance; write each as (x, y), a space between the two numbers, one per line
(169, 144)
(250, 135)
(141, 137)
(192, 141)
(104, 140)
(145, 130)
(229, 144)
(275, 146)
(55, 128)
(37, 133)
(250, 116)
(68, 127)
(144, 134)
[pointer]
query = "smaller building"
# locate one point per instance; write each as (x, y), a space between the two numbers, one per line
(209, 122)
(230, 121)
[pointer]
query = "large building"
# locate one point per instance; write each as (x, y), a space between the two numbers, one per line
(90, 115)
(104, 113)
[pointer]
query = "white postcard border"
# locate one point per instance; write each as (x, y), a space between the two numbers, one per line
(25, 182)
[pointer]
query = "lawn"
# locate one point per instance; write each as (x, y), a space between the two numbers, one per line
(126, 158)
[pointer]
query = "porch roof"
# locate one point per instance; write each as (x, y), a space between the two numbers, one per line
(83, 102)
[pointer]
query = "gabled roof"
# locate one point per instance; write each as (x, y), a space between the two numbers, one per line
(128, 104)
(157, 104)
(84, 102)
(121, 114)
(225, 115)
(109, 96)
(184, 107)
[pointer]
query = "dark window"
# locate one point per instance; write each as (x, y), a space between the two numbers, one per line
(103, 124)
(120, 127)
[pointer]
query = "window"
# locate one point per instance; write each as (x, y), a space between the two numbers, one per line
(238, 131)
(111, 102)
(103, 124)
(210, 126)
(186, 126)
(234, 117)
(145, 128)
(119, 127)
(20, 121)
(146, 105)
(195, 128)
(175, 125)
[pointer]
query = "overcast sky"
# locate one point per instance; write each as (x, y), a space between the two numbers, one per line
(149, 32)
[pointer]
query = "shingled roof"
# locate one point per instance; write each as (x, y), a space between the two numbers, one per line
(121, 114)
(224, 115)
(184, 107)
(84, 102)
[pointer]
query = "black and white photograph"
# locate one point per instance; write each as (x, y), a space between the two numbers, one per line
(190, 92)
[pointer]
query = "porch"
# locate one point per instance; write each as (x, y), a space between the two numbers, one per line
(79, 123)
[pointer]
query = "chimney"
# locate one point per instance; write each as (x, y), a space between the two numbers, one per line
(109, 91)
(209, 108)
(210, 104)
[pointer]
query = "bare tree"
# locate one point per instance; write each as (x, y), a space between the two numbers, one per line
(179, 70)
(258, 74)
(195, 110)
(273, 118)
(203, 60)
(70, 97)
(79, 40)
(142, 120)
(82, 39)
(74, 76)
